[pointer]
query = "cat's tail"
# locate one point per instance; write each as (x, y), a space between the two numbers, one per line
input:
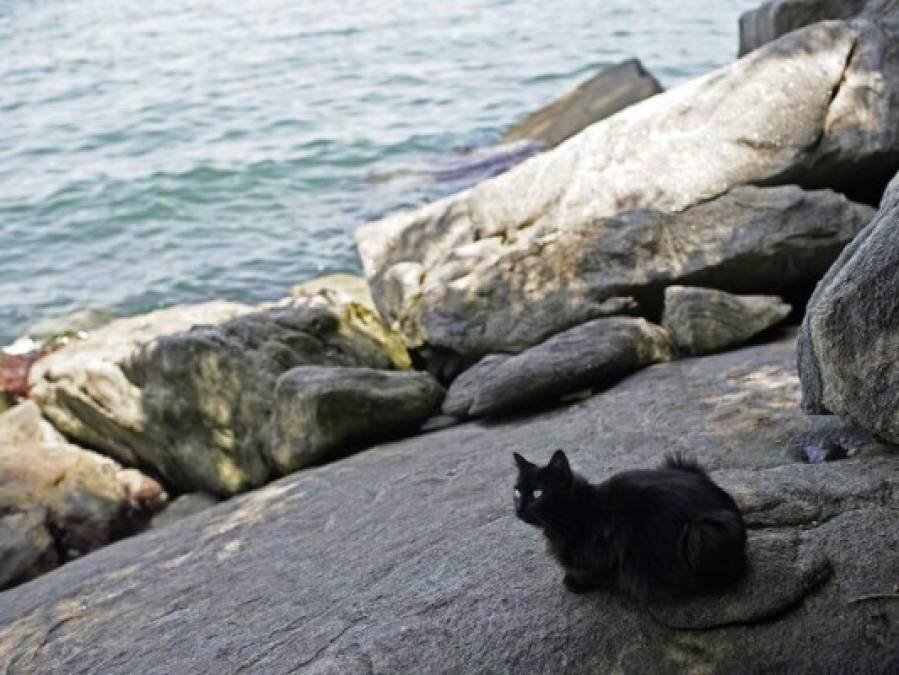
(680, 462)
(713, 546)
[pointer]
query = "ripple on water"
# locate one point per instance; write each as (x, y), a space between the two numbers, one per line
(158, 151)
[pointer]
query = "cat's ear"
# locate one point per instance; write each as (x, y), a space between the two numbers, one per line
(559, 464)
(522, 463)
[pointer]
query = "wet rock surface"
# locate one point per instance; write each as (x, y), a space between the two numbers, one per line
(611, 90)
(409, 558)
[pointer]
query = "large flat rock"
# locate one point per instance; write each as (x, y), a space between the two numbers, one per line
(408, 558)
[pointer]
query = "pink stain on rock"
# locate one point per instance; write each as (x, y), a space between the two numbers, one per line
(14, 371)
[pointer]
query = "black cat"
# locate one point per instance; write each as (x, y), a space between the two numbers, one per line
(656, 535)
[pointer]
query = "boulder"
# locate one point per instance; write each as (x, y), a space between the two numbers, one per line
(859, 148)
(409, 558)
(59, 501)
(613, 89)
(594, 354)
(464, 389)
(506, 293)
(89, 499)
(26, 546)
(325, 413)
(195, 404)
(850, 336)
(84, 390)
(767, 23)
(818, 107)
(704, 321)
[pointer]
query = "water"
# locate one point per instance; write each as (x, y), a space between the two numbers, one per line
(161, 151)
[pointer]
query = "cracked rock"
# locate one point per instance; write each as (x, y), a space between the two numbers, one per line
(850, 336)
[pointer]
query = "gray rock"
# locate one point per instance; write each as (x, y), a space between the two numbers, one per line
(183, 507)
(502, 294)
(593, 354)
(325, 413)
(611, 90)
(408, 558)
(704, 321)
(767, 23)
(84, 390)
(464, 389)
(850, 335)
(26, 547)
(195, 404)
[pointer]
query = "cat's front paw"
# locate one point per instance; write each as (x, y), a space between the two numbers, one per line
(575, 586)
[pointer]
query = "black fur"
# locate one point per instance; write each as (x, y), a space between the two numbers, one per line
(656, 535)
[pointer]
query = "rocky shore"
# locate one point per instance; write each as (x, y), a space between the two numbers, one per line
(584, 299)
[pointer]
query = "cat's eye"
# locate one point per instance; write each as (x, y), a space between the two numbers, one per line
(517, 493)
(537, 493)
